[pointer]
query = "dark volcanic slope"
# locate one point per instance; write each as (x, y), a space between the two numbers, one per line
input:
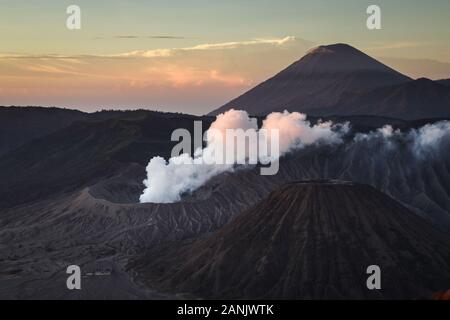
(86, 152)
(418, 99)
(38, 241)
(309, 240)
(19, 125)
(68, 198)
(445, 82)
(317, 81)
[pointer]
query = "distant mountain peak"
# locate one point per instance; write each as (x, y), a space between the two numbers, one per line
(340, 57)
(317, 81)
(424, 81)
(318, 50)
(337, 47)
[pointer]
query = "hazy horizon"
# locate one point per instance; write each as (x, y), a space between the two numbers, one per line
(195, 57)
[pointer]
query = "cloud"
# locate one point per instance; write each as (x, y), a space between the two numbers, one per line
(166, 37)
(207, 46)
(154, 53)
(192, 79)
(48, 69)
(295, 131)
(421, 143)
(126, 37)
(236, 44)
(430, 137)
(179, 76)
(168, 181)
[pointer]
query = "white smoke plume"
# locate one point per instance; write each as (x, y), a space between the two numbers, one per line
(167, 181)
(296, 132)
(421, 142)
(431, 137)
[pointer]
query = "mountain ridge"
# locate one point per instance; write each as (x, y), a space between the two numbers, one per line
(333, 69)
(416, 99)
(340, 80)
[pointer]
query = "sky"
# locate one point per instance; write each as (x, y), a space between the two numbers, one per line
(193, 56)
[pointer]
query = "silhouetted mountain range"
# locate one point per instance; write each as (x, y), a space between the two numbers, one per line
(19, 125)
(68, 153)
(341, 80)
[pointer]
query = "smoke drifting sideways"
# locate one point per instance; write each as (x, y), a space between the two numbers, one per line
(168, 181)
(430, 140)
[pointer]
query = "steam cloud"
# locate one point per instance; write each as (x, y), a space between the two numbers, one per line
(167, 181)
(421, 143)
(296, 132)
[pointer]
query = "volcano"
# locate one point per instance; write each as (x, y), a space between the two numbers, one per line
(71, 197)
(309, 240)
(316, 82)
